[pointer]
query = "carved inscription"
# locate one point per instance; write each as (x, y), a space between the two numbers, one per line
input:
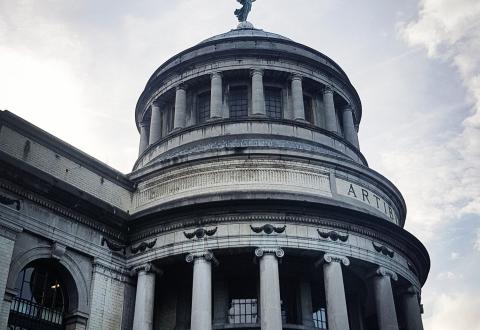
(367, 197)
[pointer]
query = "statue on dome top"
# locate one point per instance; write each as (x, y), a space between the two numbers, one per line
(242, 13)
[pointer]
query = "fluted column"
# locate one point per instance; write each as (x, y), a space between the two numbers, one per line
(411, 309)
(349, 126)
(155, 124)
(297, 97)
(270, 306)
(180, 107)
(145, 297)
(258, 96)
(306, 302)
(337, 313)
(216, 100)
(330, 115)
(382, 286)
(202, 290)
(144, 127)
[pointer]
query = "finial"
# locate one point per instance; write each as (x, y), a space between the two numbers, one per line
(242, 14)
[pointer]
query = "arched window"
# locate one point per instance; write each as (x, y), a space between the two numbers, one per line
(41, 301)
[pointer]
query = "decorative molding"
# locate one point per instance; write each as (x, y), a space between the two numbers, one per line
(58, 250)
(200, 233)
(114, 246)
(147, 267)
(115, 272)
(382, 271)
(143, 246)
(333, 235)
(329, 258)
(57, 208)
(261, 251)
(8, 201)
(207, 255)
(383, 250)
(268, 229)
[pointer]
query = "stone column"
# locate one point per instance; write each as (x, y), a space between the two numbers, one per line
(145, 297)
(270, 305)
(155, 124)
(306, 302)
(297, 96)
(348, 126)
(216, 99)
(202, 290)
(180, 107)
(330, 115)
(337, 313)
(411, 309)
(382, 286)
(8, 236)
(258, 96)
(144, 132)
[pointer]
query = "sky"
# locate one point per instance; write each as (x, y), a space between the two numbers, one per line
(76, 69)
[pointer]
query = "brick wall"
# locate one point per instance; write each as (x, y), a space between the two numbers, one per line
(6, 248)
(107, 299)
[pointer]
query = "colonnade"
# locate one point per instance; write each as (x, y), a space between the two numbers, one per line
(152, 132)
(270, 301)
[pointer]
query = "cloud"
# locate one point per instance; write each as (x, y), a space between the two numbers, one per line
(445, 170)
(476, 244)
(458, 311)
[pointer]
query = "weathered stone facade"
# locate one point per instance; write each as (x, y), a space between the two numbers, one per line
(250, 206)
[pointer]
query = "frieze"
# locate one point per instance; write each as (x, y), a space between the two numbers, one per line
(200, 233)
(268, 229)
(114, 246)
(143, 246)
(8, 201)
(333, 235)
(383, 250)
(232, 177)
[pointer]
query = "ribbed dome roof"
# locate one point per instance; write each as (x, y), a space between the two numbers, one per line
(245, 32)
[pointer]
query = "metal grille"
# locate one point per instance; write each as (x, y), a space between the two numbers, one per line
(238, 102)
(273, 102)
(25, 314)
(320, 319)
(243, 311)
(203, 107)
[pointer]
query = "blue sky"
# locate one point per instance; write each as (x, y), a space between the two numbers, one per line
(76, 68)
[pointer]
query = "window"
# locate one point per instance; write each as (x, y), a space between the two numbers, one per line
(273, 102)
(41, 299)
(243, 311)
(203, 107)
(238, 101)
(307, 101)
(320, 319)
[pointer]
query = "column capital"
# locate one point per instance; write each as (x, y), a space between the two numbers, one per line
(207, 255)
(296, 76)
(255, 71)
(411, 291)
(327, 89)
(328, 258)
(261, 251)
(216, 74)
(147, 268)
(144, 124)
(348, 107)
(181, 86)
(384, 272)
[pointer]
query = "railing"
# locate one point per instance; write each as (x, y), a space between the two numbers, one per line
(23, 312)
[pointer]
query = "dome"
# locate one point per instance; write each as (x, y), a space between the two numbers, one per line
(246, 33)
